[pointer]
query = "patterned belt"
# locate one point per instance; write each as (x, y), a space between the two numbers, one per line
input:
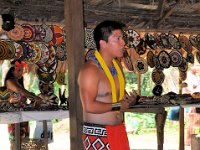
(94, 129)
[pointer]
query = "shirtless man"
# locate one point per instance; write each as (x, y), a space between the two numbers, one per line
(102, 91)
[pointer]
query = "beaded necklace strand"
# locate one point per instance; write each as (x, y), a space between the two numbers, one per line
(111, 79)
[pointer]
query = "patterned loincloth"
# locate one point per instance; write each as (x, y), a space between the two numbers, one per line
(100, 137)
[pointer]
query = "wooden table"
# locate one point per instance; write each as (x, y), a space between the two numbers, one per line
(24, 116)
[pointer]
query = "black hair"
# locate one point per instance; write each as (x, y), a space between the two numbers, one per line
(104, 30)
(10, 74)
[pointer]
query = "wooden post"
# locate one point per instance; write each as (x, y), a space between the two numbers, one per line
(17, 136)
(45, 130)
(75, 51)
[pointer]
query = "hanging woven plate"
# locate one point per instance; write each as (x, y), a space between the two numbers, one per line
(173, 41)
(185, 43)
(29, 32)
(165, 41)
(176, 58)
(184, 65)
(36, 55)
(150, 61)
(47, 78)
(46, 88)
(150, 40)
(198, 41)
(89, 39)
(4, 93)
(193, 41)
(157, 63)
(48, 33)
(190, 58)
(40, 33)
(157, 76)
(11, 49)
(3, 50)
(127, 61)
(157, 90)
(17, 33)
(133, 38)
(18, 50)
(48, 67)
(61, 52)
(158, 41)
(182, 75)
(89, 53)
(60, 78)
(141, 47)
(141, 65)
(57, 35)
(164, 59)
(44, 53)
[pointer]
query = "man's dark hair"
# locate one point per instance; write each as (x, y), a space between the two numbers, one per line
(104, 30)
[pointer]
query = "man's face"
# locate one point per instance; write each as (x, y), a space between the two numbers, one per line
(116, 43)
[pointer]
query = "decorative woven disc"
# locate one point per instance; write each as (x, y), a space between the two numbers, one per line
(182, 75)
(157, 90)
(198, 56)
(173, 41)
(48, 33)
(164, 59)
(44, 53)
(17, 33)
(150, 40)
(158, 76)
(185, 43)
(29, 32)
(190, 58)
(141, 65)
(61, 52)
(176, 58)
(57, 35)
(184, 65)
(133, 38)
(150, 61)
(141, 47)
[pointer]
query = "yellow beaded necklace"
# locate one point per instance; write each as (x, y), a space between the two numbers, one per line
(111, 79)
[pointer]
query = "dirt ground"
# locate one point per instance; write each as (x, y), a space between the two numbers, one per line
(61, 139)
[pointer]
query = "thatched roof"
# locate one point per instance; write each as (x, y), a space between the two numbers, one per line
(140, 14)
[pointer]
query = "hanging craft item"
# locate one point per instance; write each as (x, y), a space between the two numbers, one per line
(61, 78)
(40, 33)
(89, 53)
(165, 41)
(36, 54)
(190, 58)
(46, 77)
(182, 75)
(176, 58)
(141, 47)
(164, 59)
(133, 38)
(4, 93)
(194, 42)
(89, 39)
(57, 35)
(185, 43)
(17, 33)
(157, 76)
(11, 50)
(150, 40)
(44, 53)
(141, 65)
(18, 50)
(61, 52)
(48, 33)
(158, 41)
(157, 63)
(29, 32)
(127, 61)
(173, 41)
(46, 88)
(157, 90)
(3, 50)
(184, 65)
(150, 61)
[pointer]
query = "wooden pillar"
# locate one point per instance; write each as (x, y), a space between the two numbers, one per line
(160, 124)
(17, 136)
(75, 51)
(181, 122)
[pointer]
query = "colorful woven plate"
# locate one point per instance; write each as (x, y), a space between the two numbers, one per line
(157, 90)
(29, 32)
(185, 43)
(176, 58)
(190, 58)
(184, 65)
(133, 38)
(157, 76)
(165, 41)
(198, 56)
(40, 33)
(173, 40)
(89, 39)
(36, 55)
(164, 59)
(141, 65)
(57, 35)
(44, 53)
(46, 88)
(157, 63)
(17, 33)
(61, 52)
(150, 61)
(141, 47)
(48, 33)
(150, 40)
